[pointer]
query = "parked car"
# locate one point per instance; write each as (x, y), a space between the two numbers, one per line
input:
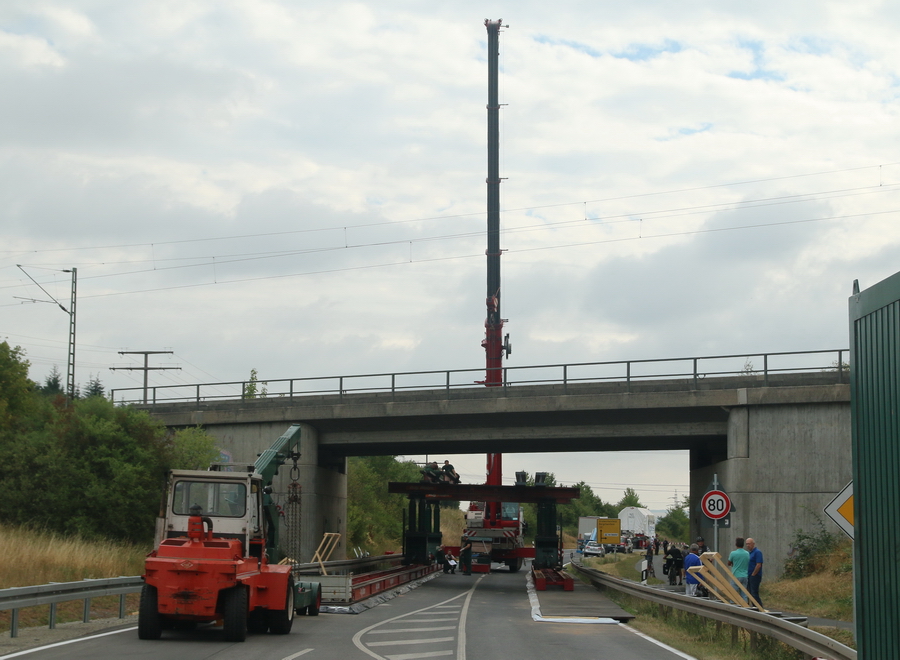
(593, 549)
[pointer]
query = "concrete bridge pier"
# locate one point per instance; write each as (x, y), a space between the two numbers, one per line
(783, 465)
(323, 505)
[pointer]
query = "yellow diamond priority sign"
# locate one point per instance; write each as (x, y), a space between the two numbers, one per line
(840, 510)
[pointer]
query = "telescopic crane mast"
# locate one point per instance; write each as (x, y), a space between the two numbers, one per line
(496, 347)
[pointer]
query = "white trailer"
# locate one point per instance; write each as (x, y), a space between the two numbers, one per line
(638, 521)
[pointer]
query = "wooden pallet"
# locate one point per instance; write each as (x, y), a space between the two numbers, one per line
(549, 577)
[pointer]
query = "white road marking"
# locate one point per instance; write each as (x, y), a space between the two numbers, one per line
(400, 642)
(405, 630)
(298, 654)
(68, 641)
(410, 619)
(414, 656)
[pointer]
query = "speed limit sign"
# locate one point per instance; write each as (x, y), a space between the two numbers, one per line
(715, 504)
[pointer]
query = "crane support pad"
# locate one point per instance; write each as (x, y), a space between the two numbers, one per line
(483, 493)
(550, 577)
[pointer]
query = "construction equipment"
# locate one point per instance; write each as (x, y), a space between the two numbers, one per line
(219, 557)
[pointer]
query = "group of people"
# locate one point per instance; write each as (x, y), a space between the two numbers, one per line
(449, 562)
(431, 473)
(746, 562)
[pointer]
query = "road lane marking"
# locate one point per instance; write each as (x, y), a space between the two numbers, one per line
(409, 618)
(399, 630)
(401, 642)
(298, 654)
(415, 656)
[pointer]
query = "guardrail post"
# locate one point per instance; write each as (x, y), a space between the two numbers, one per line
(448, 384)
(291, 389)
(52, 616)
(86, 611)
(628, 376)
(393, 387)
(122, 606)
(341, 387)
(565, 379)
(198, 394)
(695, 373)
(14, 623)
(766, 369)
(840, 366)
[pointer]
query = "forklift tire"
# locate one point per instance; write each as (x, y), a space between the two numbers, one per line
(234, 613)
(313, 610)
(515, 565)
(281, 621)
(149, 620)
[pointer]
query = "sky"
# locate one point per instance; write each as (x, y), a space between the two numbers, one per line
(299, 188)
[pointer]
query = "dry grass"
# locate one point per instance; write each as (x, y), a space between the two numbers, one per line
(32, 558)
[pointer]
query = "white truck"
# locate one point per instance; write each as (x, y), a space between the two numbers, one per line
(637, 521)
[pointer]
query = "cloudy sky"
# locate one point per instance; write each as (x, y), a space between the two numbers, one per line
(299, 188)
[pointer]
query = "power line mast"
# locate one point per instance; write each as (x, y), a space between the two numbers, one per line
(146, 368)
(70, 364)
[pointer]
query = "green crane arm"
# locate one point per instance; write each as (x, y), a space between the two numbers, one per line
(272, 458)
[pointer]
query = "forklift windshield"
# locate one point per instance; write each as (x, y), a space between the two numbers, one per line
(212, 498)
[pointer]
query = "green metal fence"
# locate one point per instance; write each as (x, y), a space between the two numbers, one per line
(875, 405)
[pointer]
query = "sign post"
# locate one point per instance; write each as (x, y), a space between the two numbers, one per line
(715, 505)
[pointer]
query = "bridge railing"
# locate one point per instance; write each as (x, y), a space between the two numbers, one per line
(757, 368)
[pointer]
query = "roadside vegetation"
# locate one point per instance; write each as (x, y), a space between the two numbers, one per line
(818, 582)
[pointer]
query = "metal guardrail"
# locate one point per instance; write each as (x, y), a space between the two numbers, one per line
(60, 592)
(805, 640)
(692, 370)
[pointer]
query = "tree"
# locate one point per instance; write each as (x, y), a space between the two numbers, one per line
(253, 388)
(374, 516)
(17, 401)
(630, 498)
(94, 388)
(192, 449)
(675, 525)
(53, 382)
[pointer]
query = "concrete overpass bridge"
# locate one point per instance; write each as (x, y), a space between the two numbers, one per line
(774, 427)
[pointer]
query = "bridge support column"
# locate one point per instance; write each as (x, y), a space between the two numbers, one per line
(781, 466)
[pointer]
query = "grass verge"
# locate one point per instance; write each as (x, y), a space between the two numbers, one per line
(33, 557)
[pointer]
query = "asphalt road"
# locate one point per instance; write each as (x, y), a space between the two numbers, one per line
(452, 616)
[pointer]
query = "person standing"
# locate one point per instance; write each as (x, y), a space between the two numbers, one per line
(465, 558)
(692, 559)
(441, 558)
(701, 545)
(739, 560)
(754, 569)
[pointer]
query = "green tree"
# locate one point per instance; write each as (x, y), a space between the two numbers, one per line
(192, 449)
(675, 525)
(374, 516)
(630, 498)
(53, 382)
(18, 403)
(253, 388)
(94, 388)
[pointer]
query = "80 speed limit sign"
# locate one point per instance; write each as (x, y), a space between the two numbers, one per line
(715, 504)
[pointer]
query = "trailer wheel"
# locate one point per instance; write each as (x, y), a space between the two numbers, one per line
(234, 612)
(149, 621)
(313, 609)
(515, 565)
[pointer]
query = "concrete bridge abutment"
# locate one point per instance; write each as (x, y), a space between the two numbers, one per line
(784, 463)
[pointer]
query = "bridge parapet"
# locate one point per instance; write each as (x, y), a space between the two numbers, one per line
(655, 375)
